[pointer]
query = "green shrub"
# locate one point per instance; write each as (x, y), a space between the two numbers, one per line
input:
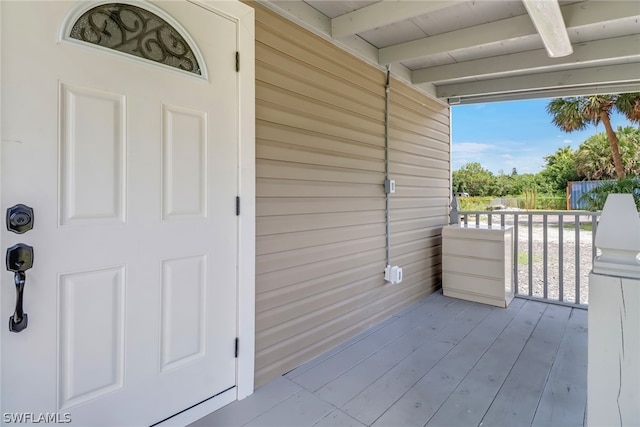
(474, 203)
(549, 202)
(595, 198)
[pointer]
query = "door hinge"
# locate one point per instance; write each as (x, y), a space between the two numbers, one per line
(238, 205)
(237, 347)
(237, 61)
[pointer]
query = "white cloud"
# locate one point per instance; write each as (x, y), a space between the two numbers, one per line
(471, 147)
(567, 141)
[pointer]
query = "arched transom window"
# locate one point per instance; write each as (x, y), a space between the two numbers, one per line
(136, 31)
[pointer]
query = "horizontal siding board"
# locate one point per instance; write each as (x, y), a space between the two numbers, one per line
(268, 131)
(419, 202)
(429, 138)
(305, 205)
(356, 312)
(418, 277)
(285, 188)
(419, 146)
(282, 260)
(431, 245)
(414, 261)
(405, 169)
(410, 98)
(289, 115)
(408, 213)
(407, 191)
(316, 302)
(297, 291)
(420, 181)
(314, 172)
(313, 108)
(277, 151)
(292, 75)
(289, 360)
(399, 157)
(312, 50)
(433, 139)
(317, 317)
(399, 226)
(407, 118)
(301, 273)
(413, 235)
(303, 239)
(320, 219)
(436, 130)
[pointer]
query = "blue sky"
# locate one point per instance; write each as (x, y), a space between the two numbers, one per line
(514, 134)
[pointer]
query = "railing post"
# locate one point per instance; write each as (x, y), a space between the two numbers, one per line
(454, 214)
(614, 317)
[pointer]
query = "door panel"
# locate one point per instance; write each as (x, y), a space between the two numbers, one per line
(131, 169)
(93, 158)
(183, 311)
(91, 332)
(184, 160)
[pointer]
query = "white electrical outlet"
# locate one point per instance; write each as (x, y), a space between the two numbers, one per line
(393, 274)
(392, 186)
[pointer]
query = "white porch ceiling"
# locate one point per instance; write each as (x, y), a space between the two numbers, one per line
(470, 51)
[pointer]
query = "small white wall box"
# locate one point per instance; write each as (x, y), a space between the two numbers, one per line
(389, 186)
(393, 274)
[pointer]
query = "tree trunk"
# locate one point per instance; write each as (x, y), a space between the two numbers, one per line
(613, 142)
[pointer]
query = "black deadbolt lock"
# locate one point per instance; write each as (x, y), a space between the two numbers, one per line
(19, 218)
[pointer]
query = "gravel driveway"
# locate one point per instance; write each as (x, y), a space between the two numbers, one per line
(556, 264)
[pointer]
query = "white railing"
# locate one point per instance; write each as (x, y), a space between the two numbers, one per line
(553, 251)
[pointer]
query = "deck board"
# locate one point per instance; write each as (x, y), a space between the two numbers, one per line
(331, 368)
(471, 399)
(375, 399)
(302, 409)
(420, 403)
(347, 386)
(439, 362)
(563, 402)
(517, 400)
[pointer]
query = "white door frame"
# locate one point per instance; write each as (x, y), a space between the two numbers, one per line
(244, 15)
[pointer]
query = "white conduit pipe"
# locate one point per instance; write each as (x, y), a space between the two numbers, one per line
(386, 168)
(393, 274)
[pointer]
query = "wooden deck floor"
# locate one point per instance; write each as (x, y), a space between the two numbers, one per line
(440, 362)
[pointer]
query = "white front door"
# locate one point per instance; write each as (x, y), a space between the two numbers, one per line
(131, 168)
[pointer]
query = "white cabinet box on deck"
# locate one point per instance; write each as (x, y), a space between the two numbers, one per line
(477, 263)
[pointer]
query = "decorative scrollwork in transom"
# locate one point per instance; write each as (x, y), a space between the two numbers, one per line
(135, 31)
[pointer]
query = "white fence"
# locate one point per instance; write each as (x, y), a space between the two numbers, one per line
(554, 251)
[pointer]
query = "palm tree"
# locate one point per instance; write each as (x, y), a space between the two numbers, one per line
(575, 113)
(593, 158)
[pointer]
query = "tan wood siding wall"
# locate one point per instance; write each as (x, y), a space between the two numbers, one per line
(320, 199)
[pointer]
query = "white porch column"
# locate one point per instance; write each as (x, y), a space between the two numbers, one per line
(614, 318)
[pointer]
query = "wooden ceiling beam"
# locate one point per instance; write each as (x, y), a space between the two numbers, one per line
(381, 14)
(594, 52)
(576, 15)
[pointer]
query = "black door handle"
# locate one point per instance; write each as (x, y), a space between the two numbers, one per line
(18, 322)
(19, 259)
